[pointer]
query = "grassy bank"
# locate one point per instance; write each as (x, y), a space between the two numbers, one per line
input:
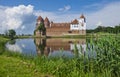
(16, 67)
(106, 63)
(88, 35)
(99, 34)
(14, 64)
(3, 40)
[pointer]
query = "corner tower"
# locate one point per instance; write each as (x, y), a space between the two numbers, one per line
(82, 22)
(46, 22)
(39, 20)
(37, 31)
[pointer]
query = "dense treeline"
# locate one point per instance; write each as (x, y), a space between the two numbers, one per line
(9, 34)
(115, 29)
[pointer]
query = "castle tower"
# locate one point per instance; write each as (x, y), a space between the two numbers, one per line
(46, 22)
(82, 22)
(39, 20)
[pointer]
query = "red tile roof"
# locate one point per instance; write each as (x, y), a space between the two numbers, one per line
(74, 21)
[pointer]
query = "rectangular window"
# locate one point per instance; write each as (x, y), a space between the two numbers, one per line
(75, 26)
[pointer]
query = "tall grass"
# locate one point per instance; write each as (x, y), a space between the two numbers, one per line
(108, 55)
(104, 63)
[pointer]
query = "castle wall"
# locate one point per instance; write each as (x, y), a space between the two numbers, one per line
(58, 29)
(37, 33)
(63, 31)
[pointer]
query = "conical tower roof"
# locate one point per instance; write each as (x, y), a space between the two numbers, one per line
(82, 16)
(46, 20)
(39, 18)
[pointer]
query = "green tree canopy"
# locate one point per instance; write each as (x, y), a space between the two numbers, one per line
(41, 28)
(109, 29)
(11, 33)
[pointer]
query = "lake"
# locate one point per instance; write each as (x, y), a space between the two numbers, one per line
(54, 47)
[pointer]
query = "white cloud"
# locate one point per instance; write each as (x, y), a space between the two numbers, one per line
(15, 17)
(65, 8)
(94, 6)
(108, 16)
(22, 27)
(99, 23)
(56, 17)
(23, 45)
(15, 14)
(14, 48)
(44, 14)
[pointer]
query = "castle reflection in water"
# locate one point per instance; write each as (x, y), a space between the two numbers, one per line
(49, 46)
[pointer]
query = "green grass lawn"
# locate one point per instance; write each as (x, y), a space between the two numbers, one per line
(16, 67)
(3, 39)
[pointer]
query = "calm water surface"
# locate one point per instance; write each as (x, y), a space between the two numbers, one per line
(48, 47)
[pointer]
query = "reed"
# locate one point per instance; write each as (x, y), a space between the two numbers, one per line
(104, 60)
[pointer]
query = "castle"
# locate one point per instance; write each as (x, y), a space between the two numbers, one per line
(75, 27)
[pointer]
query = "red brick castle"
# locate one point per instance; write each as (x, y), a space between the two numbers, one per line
(76, 27)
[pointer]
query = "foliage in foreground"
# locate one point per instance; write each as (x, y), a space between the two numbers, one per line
(106, 62)
(107, 55)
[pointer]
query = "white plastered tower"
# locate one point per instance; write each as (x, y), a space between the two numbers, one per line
(82, 23)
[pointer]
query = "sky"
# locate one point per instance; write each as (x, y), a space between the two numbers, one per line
(21, 15)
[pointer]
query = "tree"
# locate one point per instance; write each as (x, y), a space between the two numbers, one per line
(41, 29)
(11, 33)
(117, 29)
(99, 29)
(108, 29)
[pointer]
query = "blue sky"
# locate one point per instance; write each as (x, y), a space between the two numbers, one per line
(25, 12)
(54, 5)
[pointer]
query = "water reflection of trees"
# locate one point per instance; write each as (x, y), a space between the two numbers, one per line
(40, 45)
(12, 42)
